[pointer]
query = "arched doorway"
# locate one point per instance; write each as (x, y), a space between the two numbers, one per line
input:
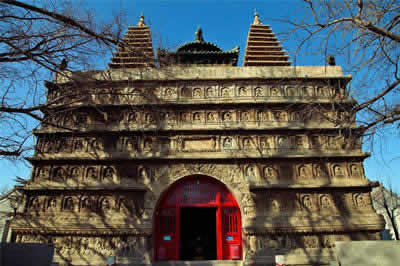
(197, 219)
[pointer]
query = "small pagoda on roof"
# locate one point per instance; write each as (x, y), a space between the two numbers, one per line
(136, 49)
(263, 48)
(200, 52)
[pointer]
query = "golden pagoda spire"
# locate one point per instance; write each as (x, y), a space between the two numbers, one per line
(256, 18)
(141, 21)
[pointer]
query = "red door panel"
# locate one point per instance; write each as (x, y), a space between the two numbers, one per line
(167, 237)
(231, 233)
(198, 191)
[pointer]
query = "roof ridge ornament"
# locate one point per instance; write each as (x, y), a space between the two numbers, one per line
(257, 20)
(199, 35)
(141, 21)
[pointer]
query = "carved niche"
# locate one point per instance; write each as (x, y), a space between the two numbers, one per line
(304, 171)
(251, 172)
(212, 117)
(247, 143)
(92, 173)
(69, 203)
(325, 202)
(307, 202)
(108, 173)
(75, 172)
(228, 143)
(266, 143)
(362, 200)
(355, 170)
(259, 92)
(42, 172)
(320, 170)
(59, 174)
(210, 92)
(338, 171)
(270, 173)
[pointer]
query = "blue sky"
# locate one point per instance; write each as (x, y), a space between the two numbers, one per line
(225, 23)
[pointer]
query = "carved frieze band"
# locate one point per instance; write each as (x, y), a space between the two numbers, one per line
(138, 118)
(254, 173)
(201, 91)
(148, 145)
(96, 247)
(85, 203)
(262, 244)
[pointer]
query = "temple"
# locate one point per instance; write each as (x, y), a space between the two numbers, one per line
(176, 157)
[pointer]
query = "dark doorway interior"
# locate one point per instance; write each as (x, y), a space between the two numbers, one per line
(198, 233)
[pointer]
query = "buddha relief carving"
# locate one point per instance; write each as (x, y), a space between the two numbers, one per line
(104, 205)
(69, 204)
(59, 174)
(212, 117)
(325, 202)
(245, 116)
(34, 203)
(283, 142)
(246, 143)
(52, 204)
(251, 172)
(196, 117)
(227, 143)
(169, 93)
(258, 92)
(196, 93)
(299, 142)
(307, 202)
(227, 116)
(168, 118)
(147, 145)
(308, 91)
(86, 204)
(108, 173)
(355, 170)
(265, 143)
(42, 172)
(320, 170)
(225, 92)
(130, 144)
(270, 172)
(144, 175)
(243, 91)
(150, 118)
(75, 172)
(133, 117)
(275, 92)
(78, 145)
(338, 170)
(91, 173)
(303, 171)
(210, 92)
(361, 200)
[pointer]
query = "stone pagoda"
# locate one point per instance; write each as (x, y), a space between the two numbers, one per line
(192, 158)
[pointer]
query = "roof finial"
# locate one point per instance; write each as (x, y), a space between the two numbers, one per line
(199, 35)
(141, 21)
(256, 18)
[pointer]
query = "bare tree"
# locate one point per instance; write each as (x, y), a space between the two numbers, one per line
(387, 203)
(365, 34)
(36, 41)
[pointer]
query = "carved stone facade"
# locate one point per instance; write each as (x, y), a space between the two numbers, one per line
(109, 150)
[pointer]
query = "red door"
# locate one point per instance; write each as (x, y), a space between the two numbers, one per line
(198, 191)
